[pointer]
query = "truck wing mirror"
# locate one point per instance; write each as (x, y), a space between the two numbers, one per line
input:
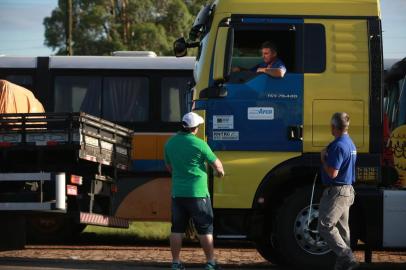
(223, 53)
(180, 46)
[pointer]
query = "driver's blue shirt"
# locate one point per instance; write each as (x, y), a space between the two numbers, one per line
(277, 63)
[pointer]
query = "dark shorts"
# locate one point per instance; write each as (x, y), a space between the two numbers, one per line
(197, 209)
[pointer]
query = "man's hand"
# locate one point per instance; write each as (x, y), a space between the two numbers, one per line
(323, 155)
(220, 174)
(218, 168)
(262, 70)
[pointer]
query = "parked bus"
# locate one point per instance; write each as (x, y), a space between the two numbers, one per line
(147, 94)
(395, 117)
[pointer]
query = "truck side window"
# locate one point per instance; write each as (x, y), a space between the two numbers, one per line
(302, 47)
(248, 43)
(314, 48)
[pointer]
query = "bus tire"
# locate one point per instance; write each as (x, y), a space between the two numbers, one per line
(299, 243)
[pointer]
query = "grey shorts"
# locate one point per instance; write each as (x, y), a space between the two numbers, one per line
(197, 209)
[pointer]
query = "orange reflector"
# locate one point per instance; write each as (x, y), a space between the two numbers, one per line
(5, 144)
(50, 143)
(71, 190)
(114, 188)
(76, 179)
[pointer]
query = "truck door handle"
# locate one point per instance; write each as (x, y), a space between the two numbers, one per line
(295, 133)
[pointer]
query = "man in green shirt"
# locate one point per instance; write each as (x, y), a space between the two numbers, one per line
(185, 157)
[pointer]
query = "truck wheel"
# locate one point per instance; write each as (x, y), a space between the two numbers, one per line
(297, 239)
(51, 229)
(12, 231)
(266, 249)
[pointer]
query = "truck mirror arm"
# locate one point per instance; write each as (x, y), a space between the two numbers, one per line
(214, 92)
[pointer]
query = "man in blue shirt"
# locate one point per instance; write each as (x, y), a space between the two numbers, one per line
(338, 175)
(271, 64)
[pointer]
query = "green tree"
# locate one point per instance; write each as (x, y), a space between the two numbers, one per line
(103, 26)
(194, 6)
(147, 32)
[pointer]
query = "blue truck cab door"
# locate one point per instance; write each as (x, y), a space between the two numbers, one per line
(258, 112)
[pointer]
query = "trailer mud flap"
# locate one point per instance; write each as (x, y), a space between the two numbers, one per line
(101, 220)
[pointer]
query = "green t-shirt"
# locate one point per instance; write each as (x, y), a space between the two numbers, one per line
(187, 154)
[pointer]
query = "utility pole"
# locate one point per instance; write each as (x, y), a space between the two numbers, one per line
(69, 50)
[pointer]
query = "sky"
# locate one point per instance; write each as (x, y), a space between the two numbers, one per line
(22, 31)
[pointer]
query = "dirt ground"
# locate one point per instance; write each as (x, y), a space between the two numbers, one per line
(143, 256)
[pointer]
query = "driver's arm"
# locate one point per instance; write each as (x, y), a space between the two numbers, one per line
(274, 72)
(238, 69)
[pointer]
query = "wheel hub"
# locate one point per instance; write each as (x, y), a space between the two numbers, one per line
(306, 231)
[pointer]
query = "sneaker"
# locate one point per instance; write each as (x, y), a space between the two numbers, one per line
(348, 265)
(211, 266)
(177, 266)
(352, 265)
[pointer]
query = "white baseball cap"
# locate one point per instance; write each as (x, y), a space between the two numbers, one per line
(191, 120)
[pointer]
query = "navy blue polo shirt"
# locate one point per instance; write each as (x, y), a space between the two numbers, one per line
(341, 154)
(275, 64)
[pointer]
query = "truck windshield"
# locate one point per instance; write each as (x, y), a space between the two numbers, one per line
(202, 23)
(200, 58)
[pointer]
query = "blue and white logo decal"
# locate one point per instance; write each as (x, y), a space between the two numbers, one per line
(223, 121)
(260, 113)
(226, 135)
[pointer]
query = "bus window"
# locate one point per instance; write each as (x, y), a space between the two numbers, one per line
(402, 101)
(173, 94)
(126, 99)
(22, 80)
(78, 93)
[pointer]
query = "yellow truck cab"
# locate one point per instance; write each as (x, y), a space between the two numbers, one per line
(269, 131)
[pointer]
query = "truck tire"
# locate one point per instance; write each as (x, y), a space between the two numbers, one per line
(299, 242)
(52, 229)
(12, 232)
(266, 249)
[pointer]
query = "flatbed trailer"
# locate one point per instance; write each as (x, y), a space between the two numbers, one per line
(58, 171)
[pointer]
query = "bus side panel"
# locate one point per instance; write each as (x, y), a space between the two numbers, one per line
(144, 198)
(147, 152)
(397, 142)
(145, 195)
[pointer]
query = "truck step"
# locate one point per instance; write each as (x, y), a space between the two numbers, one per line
(101, 220)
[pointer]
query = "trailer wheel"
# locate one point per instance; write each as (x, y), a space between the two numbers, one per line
(297, 239)
(52, 229)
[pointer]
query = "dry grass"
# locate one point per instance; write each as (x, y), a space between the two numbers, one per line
(137, 230)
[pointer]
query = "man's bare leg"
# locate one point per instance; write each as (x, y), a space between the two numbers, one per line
(206, 241)
(176, 245)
